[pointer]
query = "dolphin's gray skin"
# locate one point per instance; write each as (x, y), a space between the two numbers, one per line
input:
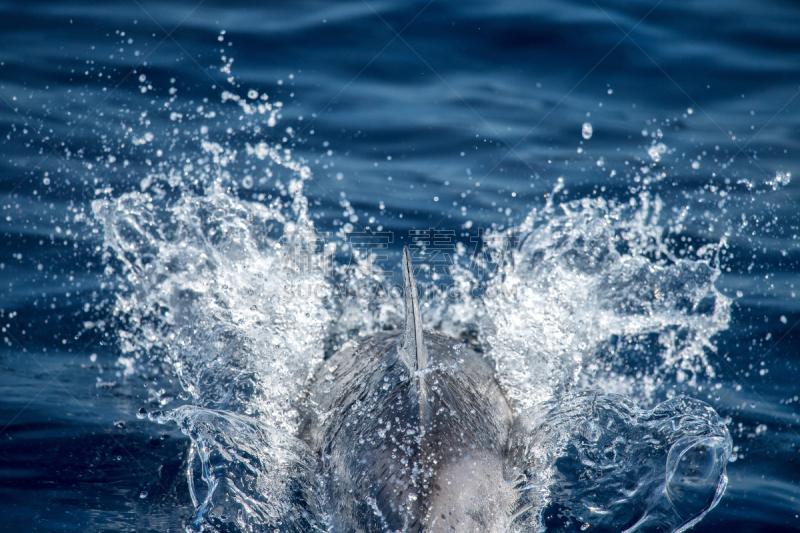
(412, 431)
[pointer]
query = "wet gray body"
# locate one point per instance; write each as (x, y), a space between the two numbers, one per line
(412, 431)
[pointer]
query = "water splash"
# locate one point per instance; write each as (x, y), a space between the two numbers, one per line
(594, 460)
(208, 288)
(590, 277)
(249, 475)
(238, 299)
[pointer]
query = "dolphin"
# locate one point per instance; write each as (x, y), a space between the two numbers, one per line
(408, 431)
(411, 428)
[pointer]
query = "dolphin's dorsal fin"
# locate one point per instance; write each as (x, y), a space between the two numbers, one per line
(413, 346)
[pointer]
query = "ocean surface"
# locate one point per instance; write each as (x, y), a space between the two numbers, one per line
(202, 200)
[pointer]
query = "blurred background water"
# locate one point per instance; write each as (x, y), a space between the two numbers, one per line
(453, 115)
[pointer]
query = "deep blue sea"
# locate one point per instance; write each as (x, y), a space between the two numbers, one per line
(149, 150)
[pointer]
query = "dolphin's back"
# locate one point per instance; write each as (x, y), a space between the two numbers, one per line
(410, 448)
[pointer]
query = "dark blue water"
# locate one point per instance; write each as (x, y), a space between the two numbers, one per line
(423, 114)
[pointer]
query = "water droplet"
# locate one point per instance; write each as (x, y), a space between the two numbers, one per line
(141, 413)
(143, 494)
(586, 130)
